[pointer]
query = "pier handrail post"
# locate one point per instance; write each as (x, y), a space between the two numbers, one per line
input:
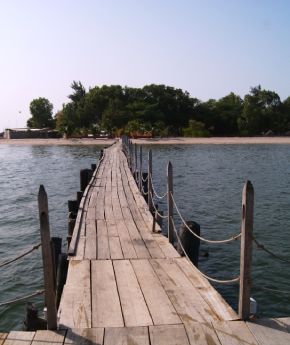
(149, 181)
(170, 202)
(140, 168)
(48, 272)
(135, 160)
(246, 250)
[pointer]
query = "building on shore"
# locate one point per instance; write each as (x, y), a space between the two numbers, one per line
(31, 133)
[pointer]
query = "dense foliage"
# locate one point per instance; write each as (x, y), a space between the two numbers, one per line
(41, 111)
(161, 110)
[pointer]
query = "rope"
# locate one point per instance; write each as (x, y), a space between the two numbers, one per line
(145, 179)
(36, 293)
(156, 209)
(143, 191)
(275, 256)
(154, 191)
(228, 281)
(20, 256)
(233, 238)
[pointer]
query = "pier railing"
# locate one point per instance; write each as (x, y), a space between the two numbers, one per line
(134, 156)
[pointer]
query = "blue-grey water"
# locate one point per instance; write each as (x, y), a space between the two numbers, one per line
(208, 180)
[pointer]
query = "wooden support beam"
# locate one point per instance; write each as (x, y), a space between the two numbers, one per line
(149, 181)
(170, 202)
(140, 168)
(48, 272)
(246, 250)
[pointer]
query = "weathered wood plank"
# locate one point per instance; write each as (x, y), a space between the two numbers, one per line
(91, 240)
(186, 300)
(128, 335)
(80, 249)
(87, 336)
(207, 291)
(168, 335)
(49, 337)
(134, 307)
(103, 249)
(201, 333)
(159, 305)
(115, 248)
(167, 248)
(18, 338)
(270, 331)
(75, 307)
(126, 242)
(234, 333)
(112, 228)
(106, 308)
(3, 336)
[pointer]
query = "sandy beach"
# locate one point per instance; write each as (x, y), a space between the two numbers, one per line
(153, 141)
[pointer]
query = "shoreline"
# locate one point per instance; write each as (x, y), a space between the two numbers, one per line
(151, 141)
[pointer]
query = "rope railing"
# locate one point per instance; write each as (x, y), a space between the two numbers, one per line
(232, 238)
(144, 179)
(143, 191)
(23, 298)
(2, 264)
(157, 211)
(273, 255)
(154, 190)
(225, 281)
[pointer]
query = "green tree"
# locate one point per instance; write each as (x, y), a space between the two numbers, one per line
(261, 112)
(41, 111)
(79, 92)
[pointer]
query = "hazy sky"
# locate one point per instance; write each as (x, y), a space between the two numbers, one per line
(208, 48)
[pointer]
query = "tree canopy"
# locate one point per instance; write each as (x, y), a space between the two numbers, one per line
(161, 110)
(41, 111)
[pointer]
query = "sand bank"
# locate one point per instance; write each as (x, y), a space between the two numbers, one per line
(157, 141)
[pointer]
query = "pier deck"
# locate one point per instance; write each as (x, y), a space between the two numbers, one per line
(127, 285)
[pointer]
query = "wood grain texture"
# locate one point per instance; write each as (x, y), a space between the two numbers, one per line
(87, 336)
(234, 333)
(206, 290)
(271, 331)
(75, 307)
(168, 335)
(134, 307)
(19, 338)
(49, 337)
(159, 305)
(201, 333)
(106, 308)
(129, 335)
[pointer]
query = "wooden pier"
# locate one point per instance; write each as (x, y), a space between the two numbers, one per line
(128, 285)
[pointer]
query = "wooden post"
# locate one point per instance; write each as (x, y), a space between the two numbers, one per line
(79, 197)
(140, 169)
(135, 161)
(73, 206)
(55, 243)
(246, 250)
(149, 181)
(61, 276)
(170, 203)
(85, 177)
(47, 259)
(189, 242)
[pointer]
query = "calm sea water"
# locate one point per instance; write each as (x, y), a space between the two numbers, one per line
(208, 180)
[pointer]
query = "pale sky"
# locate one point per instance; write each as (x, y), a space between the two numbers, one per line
(206, 47)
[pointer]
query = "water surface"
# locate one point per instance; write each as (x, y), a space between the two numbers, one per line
(208, 181)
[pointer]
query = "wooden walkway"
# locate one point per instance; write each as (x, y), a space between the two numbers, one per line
(262, 332)
(127, 285)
